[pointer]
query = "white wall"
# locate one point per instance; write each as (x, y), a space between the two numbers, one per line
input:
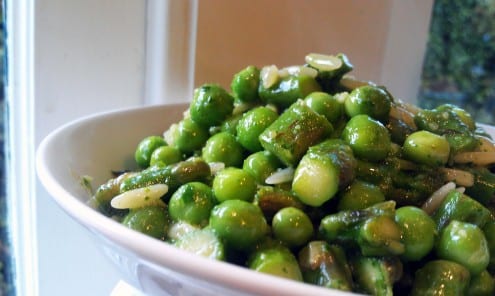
(408, 27)
(90, 57)
(385, 40)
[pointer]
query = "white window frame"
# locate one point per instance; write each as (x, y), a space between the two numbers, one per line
(20, 141)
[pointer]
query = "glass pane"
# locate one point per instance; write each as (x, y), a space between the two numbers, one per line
(6, 262)
(459, 66)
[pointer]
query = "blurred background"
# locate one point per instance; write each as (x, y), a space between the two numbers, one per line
(65, 59)
(459, 64)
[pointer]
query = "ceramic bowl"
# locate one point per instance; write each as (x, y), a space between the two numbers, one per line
(95, 145)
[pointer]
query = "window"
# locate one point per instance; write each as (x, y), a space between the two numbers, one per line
(459, 65)
(6, 270)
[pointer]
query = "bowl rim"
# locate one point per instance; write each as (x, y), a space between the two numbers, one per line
(147, 248)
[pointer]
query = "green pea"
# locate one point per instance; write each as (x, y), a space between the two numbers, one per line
(445, 121)
(482, 284)
(261, 165)
(426, 148)
(368, 138)
(441, 277)
(252, 124)
(292, 226)
(211, 105)
(240, 223)
(223, 147)
(245, 84)
(418, 232)
(276, 260)
(187, 136)
(325, 104)
(145, 148)
(192, 203)
(465, 244)
(234, 183)
(153, 221)
(360, 195)
(165, 155)
(369, 100)
(464, 116)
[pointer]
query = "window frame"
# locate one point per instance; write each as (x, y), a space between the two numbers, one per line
(20, 158)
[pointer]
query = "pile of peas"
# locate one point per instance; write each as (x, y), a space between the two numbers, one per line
(308, 174)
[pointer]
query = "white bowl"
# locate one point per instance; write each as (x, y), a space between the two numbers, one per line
(95, 145)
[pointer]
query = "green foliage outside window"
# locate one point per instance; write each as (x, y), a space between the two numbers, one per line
(459, 65)
(6, 261)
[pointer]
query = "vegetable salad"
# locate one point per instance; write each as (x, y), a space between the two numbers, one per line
(307, 173)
